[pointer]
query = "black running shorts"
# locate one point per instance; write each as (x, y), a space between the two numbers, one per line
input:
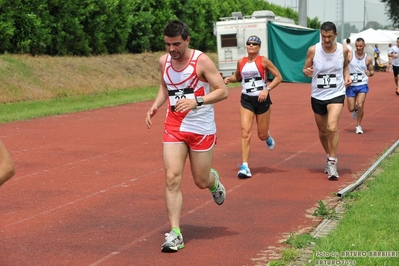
(395, 70)
(320, 106)
(251, 103)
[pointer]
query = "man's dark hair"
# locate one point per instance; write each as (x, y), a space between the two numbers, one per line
(175, 28)
(360, 39)
(328, 26)
(348, 40)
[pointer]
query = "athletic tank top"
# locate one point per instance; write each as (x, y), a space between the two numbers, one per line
(357, 70)
(253, 76)
(328, 79)
(186, 84)
(395, 50)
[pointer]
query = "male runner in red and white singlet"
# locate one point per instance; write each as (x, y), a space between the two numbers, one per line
(190, 131)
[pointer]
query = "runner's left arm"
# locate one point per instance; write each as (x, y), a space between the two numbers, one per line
(370, 66)
(208, 71)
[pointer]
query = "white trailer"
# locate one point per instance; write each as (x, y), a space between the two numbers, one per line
(232, 33)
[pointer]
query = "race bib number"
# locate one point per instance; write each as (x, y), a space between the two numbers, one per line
(356, 77)
(254, 84)
(175, 95)
(326, 81)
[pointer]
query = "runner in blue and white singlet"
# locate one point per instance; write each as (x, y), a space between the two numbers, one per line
(394, 54)
(360, 69)
(357, 70)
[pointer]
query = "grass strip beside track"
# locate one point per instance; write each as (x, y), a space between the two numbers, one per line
(367, 234)
(29, 110)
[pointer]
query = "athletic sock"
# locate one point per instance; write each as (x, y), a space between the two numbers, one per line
(176, 230)
(332, 159)
(215, 186)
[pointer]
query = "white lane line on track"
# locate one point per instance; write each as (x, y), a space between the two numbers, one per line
(77, 200)
(157, 229)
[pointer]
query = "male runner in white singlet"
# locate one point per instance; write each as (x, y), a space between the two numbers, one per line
(360, 69)
(327, 64)
(187, 76)
(394, 54)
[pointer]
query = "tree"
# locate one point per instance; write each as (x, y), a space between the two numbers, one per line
(373, 24)
(94, 27)
(392, 7)
(348, 29)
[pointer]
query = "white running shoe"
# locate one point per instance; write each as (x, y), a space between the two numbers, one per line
(173, 242)
(359, 129)
(244, 172)
(332, 170)
(270, 142)
(220, 194)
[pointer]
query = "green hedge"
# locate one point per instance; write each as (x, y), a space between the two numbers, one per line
(95, 27)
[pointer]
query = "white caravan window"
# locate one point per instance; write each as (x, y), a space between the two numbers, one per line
(229, 40)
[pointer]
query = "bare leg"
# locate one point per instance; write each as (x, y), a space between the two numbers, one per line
(201, 168)
(321, 122)
(328, 128)
(263, 121)
(247, 118)
(174, 156)
(7, 169)
(360, 99)
(351, 101)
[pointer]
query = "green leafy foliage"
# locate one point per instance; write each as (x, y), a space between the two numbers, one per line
(392, 7)
(95, 27)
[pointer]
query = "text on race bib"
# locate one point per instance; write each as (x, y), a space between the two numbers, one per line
(356, 77)
(326, 81)
(254, 84)
(175, 95)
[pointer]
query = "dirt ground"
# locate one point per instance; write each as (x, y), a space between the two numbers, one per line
(29, 78)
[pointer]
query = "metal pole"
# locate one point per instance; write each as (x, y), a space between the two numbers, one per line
(342, 20)
(302, 13)
(364, 15)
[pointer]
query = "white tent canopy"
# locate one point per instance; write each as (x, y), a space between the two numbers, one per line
(393, 35)
(373, 37)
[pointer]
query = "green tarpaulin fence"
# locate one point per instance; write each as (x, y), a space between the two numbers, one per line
(287, 50)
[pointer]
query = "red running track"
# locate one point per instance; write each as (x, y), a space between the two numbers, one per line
(89, 185)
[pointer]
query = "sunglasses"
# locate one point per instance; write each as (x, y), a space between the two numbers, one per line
(253, 43)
